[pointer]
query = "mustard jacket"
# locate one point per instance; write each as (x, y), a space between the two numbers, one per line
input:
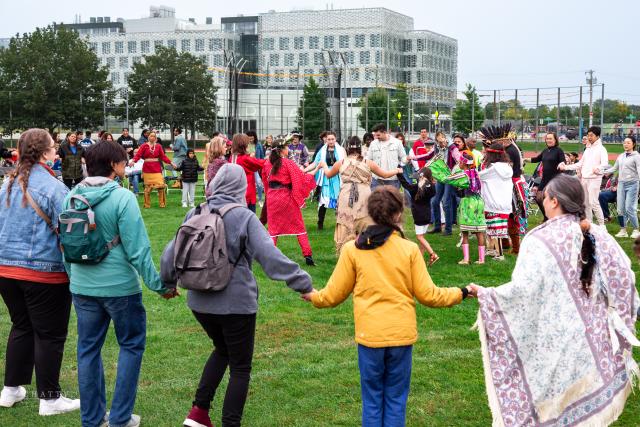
(385, 283)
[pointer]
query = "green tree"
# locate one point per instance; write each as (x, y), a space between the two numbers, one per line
(172, 89)
(313, 114)
(50, 78)
(373, 108)
(468, 111)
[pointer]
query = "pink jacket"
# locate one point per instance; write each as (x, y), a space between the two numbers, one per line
(593, 157)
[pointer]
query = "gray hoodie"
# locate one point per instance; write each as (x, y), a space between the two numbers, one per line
(628, 167)
(242, 229)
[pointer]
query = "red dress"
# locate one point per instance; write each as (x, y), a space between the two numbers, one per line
(250, 165)
(153, 158)
(284, 216)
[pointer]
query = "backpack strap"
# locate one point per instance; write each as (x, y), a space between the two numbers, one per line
(229, 206)
(41, 213)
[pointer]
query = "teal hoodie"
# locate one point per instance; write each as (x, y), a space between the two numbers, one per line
(119, 273)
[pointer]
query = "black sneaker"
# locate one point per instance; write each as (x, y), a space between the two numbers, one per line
(309, 261)
(434, 231)
(320, 226)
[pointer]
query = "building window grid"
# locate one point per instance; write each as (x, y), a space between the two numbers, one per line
(298, 42)
(172, 43)
(360, 40)
(274, 60)
(289, 59)
(268, 44)
(157, 43)
(145, 46)
(343, 42)
(365, 57)
(314, 42)
(199, 45)
(328, 42)
(283, 43)
(185, 45)
(318, 58)
(303, 58)
(106, 48)
(111, 62)
(374, 40)
(124, 62)
(132, 46)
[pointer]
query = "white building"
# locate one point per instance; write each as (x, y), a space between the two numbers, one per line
(348, 51)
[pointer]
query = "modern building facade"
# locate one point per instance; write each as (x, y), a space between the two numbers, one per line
(348, 51)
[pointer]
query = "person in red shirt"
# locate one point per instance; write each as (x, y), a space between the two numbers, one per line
(153, 155)
(251, 165)
(421, 147)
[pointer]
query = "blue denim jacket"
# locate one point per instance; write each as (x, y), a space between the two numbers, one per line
(26, 240)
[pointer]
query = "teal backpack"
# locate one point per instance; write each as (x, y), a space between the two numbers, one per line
(80, 240)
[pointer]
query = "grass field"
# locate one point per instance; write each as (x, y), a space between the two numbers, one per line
(305, 364)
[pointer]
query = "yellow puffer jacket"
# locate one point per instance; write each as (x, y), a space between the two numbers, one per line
(384, 282)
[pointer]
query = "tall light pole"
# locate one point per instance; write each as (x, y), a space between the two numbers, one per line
(591, 81)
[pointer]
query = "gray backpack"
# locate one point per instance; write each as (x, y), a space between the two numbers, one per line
(200, 253)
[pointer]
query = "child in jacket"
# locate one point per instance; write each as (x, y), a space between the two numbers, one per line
(189, 168)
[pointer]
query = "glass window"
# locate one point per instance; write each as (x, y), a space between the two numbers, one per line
(125, 80)
(343, 42)
(157, 43)
(268, 44)
(378, 57)
(171, 44)
(303, 58)
(288, 59)
(314, 42)
(199, 45)
(283, 43)
(370, 74)
(279, 76)
(217, 60)
(137, 60)
(355, 75)
(365, 57)
(350, 57)
(420, 45)
(124, 62)
(145, 46)
(298, 42)
(408, 45)
(318, 58)
(274, 60)
(93, 47)
(106, 47)
(111, 62)
(186, 45)
(328, 42)
(115, 78)
(132, 46)
(360, 40)
(375, 40)
(204, 59)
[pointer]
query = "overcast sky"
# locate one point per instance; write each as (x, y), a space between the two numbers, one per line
(502, 44)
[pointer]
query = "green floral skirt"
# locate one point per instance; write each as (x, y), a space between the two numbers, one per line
(471, 214)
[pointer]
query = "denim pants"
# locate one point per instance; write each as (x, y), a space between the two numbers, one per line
(604, 198)
(385, 376)
(130, 323)
(628, 202)
(375, 182)
(446, 194)
(135, 181)
(259, 186)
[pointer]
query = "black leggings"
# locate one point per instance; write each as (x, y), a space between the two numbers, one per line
(233, 337)
(40, 316)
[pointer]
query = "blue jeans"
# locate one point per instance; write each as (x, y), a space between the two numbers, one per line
(377, 182)
(445, 193)
(259, 185)
(628, 202)
(385, 376)
(604, 198)
(135, 181)
(130, 323)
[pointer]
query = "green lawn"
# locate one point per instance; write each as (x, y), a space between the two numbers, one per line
(567, 147)
(305, 365)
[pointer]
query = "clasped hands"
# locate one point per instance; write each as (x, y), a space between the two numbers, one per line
(472, 288)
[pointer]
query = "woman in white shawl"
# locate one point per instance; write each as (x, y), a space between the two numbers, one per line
(557, 340)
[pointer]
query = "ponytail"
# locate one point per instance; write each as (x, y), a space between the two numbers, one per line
(275, 159)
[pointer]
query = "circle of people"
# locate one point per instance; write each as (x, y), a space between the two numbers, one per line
(565, 359)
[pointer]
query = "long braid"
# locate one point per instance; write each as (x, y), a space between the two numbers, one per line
(32, 145)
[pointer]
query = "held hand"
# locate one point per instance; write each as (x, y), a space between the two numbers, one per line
(596, 170)
(562, 166)
(171, 293)
(307, 296)
(473, 290)
(174, 165)
(526, 160)
(131, 163)
(411, 157)
(399, 171)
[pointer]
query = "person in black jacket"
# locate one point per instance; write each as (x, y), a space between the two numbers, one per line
(421, 195)
(127, 142)
(550, 157)
(189, 168)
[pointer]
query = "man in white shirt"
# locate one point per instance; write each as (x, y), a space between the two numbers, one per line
(387, 152)
(589, 167)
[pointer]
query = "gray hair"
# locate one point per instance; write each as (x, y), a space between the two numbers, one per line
(569, 193)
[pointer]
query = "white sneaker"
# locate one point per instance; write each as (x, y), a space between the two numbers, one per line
(184, 205)
(11, 396)
(498, 258)
(58, 406)
(192, 205)
(622, 233)
(635, 234)
(134, 421)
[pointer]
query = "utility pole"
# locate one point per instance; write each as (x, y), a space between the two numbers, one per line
(591, 81)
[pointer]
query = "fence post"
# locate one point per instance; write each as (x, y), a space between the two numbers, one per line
(302, 116)
(558, 113)
(580, 117)
(388, 104)
(366, 113)
(537, 114)
(281, 114)
(260, 132)
(602, 107)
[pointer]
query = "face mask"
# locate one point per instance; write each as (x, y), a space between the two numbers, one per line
(49, 163)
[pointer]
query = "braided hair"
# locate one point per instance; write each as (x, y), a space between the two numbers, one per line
(385, 205)
(32, 145)
(570, 195)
